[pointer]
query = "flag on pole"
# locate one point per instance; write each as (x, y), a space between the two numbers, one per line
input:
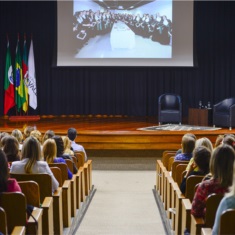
(9, 98)
(19, 84)
(32, 86)
(25, 75)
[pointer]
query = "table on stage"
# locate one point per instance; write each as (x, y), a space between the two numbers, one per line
(200, 117)
(122, 36)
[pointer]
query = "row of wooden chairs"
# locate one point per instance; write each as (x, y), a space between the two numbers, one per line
(169, 175)
(58, 208)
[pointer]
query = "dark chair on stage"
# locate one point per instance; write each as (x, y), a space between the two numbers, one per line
(169, 108)
(224, 113)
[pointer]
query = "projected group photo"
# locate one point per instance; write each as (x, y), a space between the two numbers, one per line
(122, 31)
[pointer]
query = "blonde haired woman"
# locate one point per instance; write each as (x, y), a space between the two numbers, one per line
(31, 162)
(67, 146)
(19, 136)
(49, 150)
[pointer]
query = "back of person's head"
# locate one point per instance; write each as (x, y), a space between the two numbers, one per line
(188, 144)
(28, 130)
(2, 135)
(11, 146)
(190, 135)
(48, 134)
(31, 149)
(202, 156)
(67, 142)
(204, 142)
(219, 140)
(49, 150)
(18, 135)
(59, 145)
(230, 140)
(221, 164)
(3, 172)
(36, 134)
(72, 133)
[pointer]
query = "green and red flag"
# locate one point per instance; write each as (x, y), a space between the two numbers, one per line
(19, 83)
(9, 98)
(25, 75)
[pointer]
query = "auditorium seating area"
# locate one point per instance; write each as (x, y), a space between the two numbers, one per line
(57, 212)
(176, 206)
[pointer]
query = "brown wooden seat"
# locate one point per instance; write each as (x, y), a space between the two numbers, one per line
(80, 158)
(31, 191)
(227, 227)
(174, 165)
(3, 221)
(212, 204)
(180, 168)
(45, 184)
(66, 192)
(11, 202)
(166, 156)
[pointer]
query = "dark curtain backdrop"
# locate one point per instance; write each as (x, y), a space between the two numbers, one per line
(131, 91)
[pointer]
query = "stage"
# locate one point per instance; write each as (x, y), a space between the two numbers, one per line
(111, 132)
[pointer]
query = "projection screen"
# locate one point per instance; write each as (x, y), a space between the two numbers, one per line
(125, 33)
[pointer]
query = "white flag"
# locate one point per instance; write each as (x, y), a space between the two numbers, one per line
(32, 86)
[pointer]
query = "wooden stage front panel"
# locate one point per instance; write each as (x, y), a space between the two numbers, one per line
(111, 132)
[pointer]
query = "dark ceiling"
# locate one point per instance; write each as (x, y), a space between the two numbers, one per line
(122, 4)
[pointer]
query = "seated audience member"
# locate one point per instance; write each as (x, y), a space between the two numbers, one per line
(27, 131)
(60, 151)
(7, 184)
(228, 202)
(11, 148)
(187, 134)
(72, 134)
(36, 134)
(48, 134)
(200, 142)
(201, 156)
(49, 153)
(221, 169)
(230, 140)
(19, 136)
(219, 140)
(31, 162)
(188, 144)
(67, 146)
(2, 135)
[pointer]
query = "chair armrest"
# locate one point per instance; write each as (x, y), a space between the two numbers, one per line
(19, 230)
(34, 225)
(186, 214)
(206, 231)
(47, 216)
(196, 225)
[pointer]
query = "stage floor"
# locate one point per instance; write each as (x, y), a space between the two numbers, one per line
(111, 132)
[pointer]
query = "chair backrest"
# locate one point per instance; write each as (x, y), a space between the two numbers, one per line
(178, 174)
(64, 170)
(170, 162)
(226, 225)
(69, 164)
(14, 205)
(31, 191)
(174, 165)
(191, 182)
(44, 181)
(170, 101)
(3, 221)
(166, 157)
(80, 158)
(212, 204)
(225, 104)
(57, 173)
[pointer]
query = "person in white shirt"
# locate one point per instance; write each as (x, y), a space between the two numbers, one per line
(72, 134)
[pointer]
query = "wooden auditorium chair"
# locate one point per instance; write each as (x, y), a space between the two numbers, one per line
(66, 185)
(45, 185)
(31, 191)
(14, 205)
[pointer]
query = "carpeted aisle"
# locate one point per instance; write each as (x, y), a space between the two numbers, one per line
(123, 204)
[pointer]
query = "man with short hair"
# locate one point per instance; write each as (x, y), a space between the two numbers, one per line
(72, 134)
